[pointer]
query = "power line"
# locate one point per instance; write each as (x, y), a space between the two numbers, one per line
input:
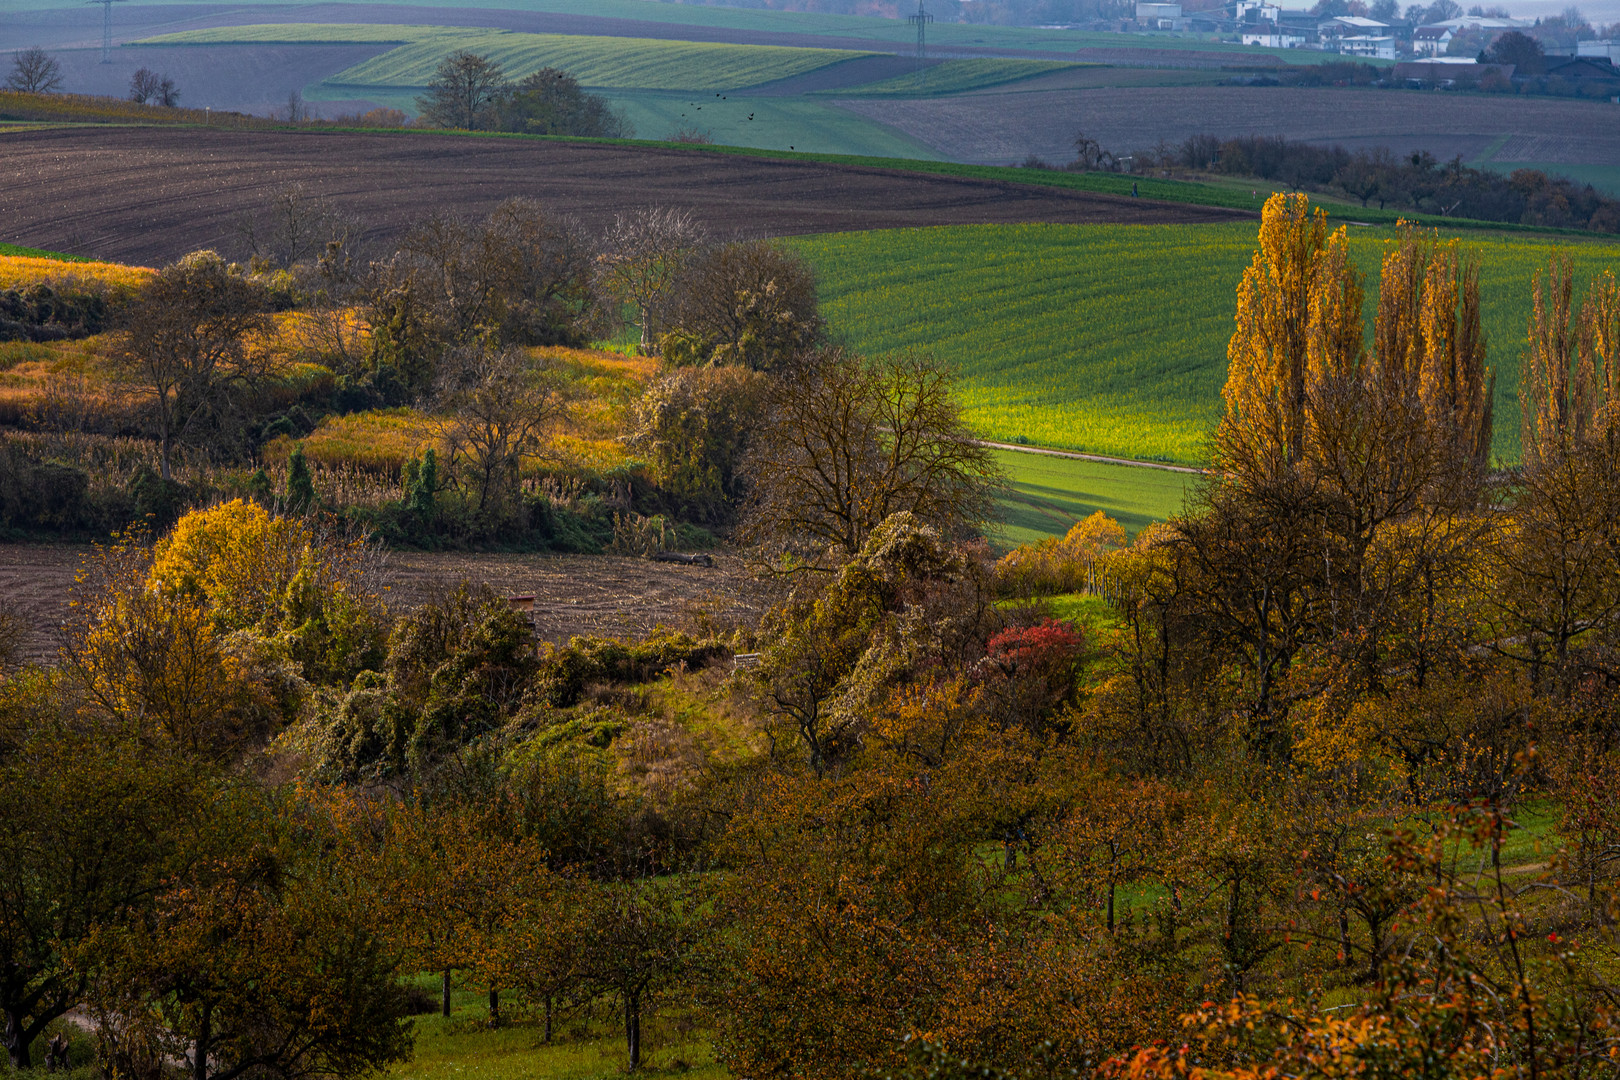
(922, 19)
(106, 27)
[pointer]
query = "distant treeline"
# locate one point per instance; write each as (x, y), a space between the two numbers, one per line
(1413, 181)
(1377, 177)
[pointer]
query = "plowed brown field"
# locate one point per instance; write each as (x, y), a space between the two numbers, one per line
(574, 594)
(1002, 125)
(149, 195)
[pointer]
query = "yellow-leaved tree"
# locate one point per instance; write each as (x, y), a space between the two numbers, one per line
(282, 578)
(1265, 385)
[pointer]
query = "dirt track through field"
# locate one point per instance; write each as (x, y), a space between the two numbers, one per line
(574, 594)
(149, 195)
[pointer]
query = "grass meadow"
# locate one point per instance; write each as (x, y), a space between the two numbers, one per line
(1047, 494)
(584, 1047)
(1112, 339)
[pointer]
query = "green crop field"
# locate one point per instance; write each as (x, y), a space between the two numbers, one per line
(778, 123)
(597, 62)
(1048, 494)
(36, 253)
(310, 34)
(955, 77)
(1112, 339)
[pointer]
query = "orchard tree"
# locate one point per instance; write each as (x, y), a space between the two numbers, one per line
(264, 953)
(641, 939)
(93, 816)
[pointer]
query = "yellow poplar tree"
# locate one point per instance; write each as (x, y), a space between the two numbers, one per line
(1544, 394)
(1267, 356)
(1597, 384)
(1453, 382)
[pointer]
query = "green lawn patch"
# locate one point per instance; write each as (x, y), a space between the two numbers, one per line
(584, 1048)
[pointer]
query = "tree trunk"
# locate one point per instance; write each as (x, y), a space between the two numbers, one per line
(16, 1042)
(199, 1063)
(632, 1029)
(446, 1001)
(494, 1008)
(548, 1019)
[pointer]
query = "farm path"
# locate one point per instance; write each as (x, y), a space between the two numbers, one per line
(574, 594)
(149, 195)
(1000, 125)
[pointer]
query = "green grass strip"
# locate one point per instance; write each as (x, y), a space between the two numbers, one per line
(39, 253)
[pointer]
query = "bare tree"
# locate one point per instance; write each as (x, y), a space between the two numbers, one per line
(457, 285)
(524, 273)
(496, 408)
(187, 345)
(544, 266)
(144, 85)
(168, 95)
(297, 226)
(645, 251)
(463, 92)
(34, 71)
(851, 441)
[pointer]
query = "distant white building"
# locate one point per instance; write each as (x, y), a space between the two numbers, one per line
(1377, 48)
(1250, 11)
(1484, 22)
(1432, 40)
(1275, 37)
(1160, 16)
(1346, 25)
(1599, 49)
